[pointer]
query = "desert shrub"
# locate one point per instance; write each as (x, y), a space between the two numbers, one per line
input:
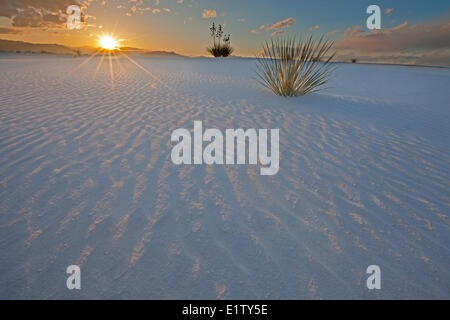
(294, 68)
(221, 47)
(220, 50)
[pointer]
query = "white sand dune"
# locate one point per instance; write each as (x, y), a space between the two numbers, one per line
(86, 178)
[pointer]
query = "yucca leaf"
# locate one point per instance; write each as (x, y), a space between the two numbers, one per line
(293, 68)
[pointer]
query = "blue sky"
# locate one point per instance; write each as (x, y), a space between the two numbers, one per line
(329, 15)
(182, 25)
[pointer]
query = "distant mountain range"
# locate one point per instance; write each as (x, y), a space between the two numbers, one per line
(22, 47)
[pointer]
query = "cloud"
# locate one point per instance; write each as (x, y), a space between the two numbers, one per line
(277, 33)
(9, 31)
(208, 14)
(401, 26)
(276, 28)
(389, 11)
(11, 8)
(401, 37)
(29, 17)
(283, 24)
(330, 33)
(36, 13)
(422, 43)
(353, 31)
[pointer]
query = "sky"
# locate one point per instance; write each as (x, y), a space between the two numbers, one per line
(416, 32)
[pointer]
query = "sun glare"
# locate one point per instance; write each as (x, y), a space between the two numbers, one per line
(108, 42)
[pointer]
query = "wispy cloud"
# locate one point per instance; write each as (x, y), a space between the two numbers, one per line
(276, 28)
(418, 41)
(330, 33)
(353, 31)
(42, 13)
(273, 34)
(389, 11)
(10, 31)
(400, 26)
(283, 24)
(208, 14)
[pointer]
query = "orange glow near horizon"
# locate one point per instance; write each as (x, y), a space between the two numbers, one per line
(109, 46)
(108, 42)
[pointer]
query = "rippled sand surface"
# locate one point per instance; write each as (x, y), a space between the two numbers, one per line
(86, 178)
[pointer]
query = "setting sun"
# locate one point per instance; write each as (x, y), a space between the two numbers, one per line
(108, 42)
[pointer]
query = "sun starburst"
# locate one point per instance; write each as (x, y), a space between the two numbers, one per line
(110, 48)
(108, 42)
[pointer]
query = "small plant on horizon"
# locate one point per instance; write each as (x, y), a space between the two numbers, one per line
(294, 68)
(222, 46)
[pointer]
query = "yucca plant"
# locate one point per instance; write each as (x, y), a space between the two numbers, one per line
(219, 49)
(294, 68)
